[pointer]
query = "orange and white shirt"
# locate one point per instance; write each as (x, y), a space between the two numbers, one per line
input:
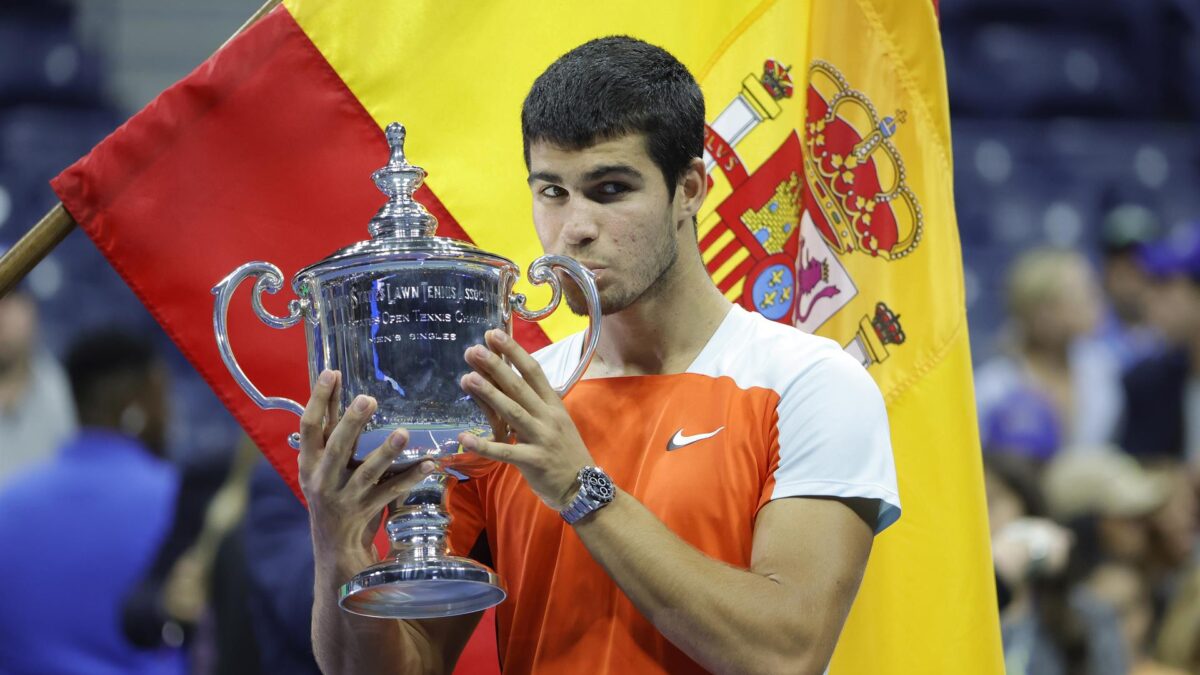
(765, 412)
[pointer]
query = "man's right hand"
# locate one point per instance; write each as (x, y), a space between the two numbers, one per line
(345, 502)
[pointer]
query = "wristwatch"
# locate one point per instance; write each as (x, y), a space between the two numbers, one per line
(595, 491)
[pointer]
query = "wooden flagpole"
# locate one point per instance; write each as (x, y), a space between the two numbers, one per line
(49, 232)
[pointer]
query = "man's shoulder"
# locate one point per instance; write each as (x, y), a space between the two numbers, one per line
(748, 348)
(758, 352)
(558, 359)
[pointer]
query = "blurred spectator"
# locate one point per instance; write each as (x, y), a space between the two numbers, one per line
(1050, 387)
(1146, 521)
(1175, 527)
(1122, 587)
(1111, 488)
(1050, 624)
(1162, 417)
(36, 414)
(195, 593)
(1125, 328)
(1178, 640)
(78, 531)
(278, 548)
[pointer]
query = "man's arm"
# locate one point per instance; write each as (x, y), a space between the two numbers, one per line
(783, 615)
(346, 643)
(344, 506)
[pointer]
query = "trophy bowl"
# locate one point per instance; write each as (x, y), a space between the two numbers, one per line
(394, 314)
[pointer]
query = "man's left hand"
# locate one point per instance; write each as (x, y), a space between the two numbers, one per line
(548, 450)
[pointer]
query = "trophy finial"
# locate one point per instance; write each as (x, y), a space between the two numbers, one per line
(395, 138)
(402, 216)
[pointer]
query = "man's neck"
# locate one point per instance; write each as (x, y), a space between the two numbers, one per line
(665, 329)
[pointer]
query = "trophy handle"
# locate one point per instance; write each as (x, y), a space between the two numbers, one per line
(541, 271)
(270, 279)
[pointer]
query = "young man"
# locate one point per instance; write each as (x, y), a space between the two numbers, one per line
(748, 464)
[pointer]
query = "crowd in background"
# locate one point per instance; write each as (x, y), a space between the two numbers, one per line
(1077, 159)
(1090, 424)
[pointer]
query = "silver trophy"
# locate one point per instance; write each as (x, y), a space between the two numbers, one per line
(394, 314)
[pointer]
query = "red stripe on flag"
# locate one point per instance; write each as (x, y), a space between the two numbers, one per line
(738, 272)
(261, 153)
(712, 236)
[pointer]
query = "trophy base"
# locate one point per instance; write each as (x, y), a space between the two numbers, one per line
(425, 589)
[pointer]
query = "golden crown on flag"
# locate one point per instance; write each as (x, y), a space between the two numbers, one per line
(855, 172)
(776, 79)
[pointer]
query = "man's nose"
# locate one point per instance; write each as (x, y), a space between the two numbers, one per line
(579, 226)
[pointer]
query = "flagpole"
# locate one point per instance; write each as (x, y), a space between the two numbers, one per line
(49, 232)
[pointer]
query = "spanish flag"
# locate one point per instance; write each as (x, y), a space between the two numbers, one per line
(831, 210)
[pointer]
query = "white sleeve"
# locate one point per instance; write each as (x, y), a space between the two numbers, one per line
(834, 439)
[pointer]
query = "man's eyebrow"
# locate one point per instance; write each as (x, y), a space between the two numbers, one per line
(594, 174)
(604, 170)
(545, 177)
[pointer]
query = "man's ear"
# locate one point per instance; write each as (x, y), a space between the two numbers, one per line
(691, 190)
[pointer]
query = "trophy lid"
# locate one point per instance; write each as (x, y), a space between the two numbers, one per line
(403, 229)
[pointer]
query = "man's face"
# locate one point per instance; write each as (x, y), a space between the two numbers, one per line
(606, 206)
(1173, 308)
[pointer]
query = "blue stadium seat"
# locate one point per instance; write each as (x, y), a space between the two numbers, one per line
(40, 60)
(43, 140)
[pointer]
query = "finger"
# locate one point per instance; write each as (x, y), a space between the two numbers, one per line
(486, 362)
(501, 452)
(380, 460)
(345, 435)
(500, 430)
(331, 411)
(312, 438)
(398, 486)
(530, 370)
(507, 409)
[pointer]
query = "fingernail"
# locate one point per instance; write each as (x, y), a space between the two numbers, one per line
(326, 377)
(467, 441)
(500, 336)
(361, 403)
(426, 467)
(398, 439)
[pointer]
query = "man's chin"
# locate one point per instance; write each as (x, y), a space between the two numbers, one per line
(578, 304)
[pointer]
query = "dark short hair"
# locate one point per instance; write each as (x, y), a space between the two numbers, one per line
(614, 86)
(103, 354)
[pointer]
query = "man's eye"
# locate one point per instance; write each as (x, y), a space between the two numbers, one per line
(553, 191)
(613, 188)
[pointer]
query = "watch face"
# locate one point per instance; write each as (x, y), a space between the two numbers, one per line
(597, 485)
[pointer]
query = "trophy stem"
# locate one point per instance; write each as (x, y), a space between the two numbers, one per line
(419, 579)
(417, 524)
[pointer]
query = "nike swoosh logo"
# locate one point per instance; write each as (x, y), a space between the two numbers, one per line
(679, 440)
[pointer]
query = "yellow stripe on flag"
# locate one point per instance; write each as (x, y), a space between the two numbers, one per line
(928, 602)
(456, 74)
(735, 291)
(718, 245)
